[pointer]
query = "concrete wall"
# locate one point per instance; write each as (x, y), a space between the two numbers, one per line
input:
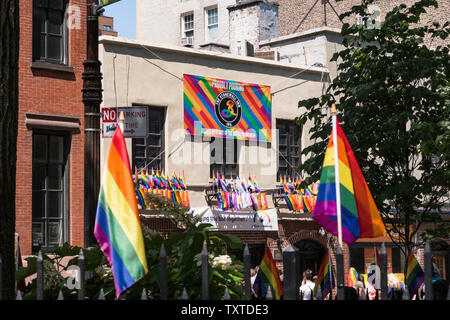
(153, 75)
(160, 20)
(253, 21)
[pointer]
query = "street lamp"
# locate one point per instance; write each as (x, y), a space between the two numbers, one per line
(92, 98)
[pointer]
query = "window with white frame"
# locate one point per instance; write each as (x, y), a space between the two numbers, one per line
(212, 23)
(188, 25)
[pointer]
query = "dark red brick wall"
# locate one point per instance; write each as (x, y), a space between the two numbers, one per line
(53, 93)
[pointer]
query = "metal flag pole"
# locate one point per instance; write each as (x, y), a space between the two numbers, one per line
(336, 173)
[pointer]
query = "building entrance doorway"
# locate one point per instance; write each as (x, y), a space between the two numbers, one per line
(311, 254)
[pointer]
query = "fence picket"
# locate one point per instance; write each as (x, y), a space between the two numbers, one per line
(184, 295)
(247, 276)
(40, 277)
(81, 275)
(226, 295)
(144, 294)
(163, 273)
(1, 278)
(101, 295)
(205, 271)
(428, 272)
(291, 273)
(383, 271)
(405, 294)
(269, 295)
(340, 272)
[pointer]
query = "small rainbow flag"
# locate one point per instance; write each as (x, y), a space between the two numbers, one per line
(324, 277)
(360, 217)
(268, 277)
(352, 277)
(414, 274)
(117, 224)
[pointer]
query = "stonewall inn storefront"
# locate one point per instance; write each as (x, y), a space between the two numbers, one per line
(216, 132)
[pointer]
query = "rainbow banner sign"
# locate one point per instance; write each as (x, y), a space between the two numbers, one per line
(227, 109)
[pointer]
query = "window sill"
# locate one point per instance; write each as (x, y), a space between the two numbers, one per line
(51, 66)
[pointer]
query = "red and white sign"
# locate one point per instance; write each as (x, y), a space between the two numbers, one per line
(135, 123)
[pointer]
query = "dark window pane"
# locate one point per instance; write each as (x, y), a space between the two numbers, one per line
(37, 234)
(139, 141)
(54, 47)
(154, 140)
(41, 3)
(139, 152)
(54, 177)
(38, 199)
(56, 152)
(42, 46)
(396, 261)
(56, 4)
(39, 20)
(54, 232)
(54, 204)
(39, 174)
(357, 259)
(40, 147)
(54, 22)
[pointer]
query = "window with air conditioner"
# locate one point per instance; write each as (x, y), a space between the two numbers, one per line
(187, 29)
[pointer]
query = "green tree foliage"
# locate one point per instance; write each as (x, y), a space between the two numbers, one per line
(393, 102)
(183, 251)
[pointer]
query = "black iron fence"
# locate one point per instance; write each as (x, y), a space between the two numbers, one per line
(291, 278)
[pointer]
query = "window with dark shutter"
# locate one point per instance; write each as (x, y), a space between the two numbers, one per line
(289, 144)
(148, 152)
(49, 190)
(50, 36)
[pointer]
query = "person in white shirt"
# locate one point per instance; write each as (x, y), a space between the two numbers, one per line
(307, 287)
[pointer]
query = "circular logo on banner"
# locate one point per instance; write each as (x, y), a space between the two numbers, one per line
(228, 109)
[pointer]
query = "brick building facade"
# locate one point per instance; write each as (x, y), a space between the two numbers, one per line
(297, 16)
(50, 142)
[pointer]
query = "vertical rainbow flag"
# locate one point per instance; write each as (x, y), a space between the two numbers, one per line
(360, 217)
(414, 274)
(324, 277)
(117, 224)
(268, 277)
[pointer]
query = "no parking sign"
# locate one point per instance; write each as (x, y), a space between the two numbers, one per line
(135, 124)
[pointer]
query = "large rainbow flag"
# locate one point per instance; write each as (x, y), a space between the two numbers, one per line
(268, 277)
(226, 109)
(324, 277)
(117, 224)
(360, 217)
(414, 274)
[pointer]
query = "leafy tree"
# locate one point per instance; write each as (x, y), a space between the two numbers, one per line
(9, 102)
(393, 101)
(183, 254)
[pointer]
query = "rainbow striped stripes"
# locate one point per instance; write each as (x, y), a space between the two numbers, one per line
(200, 94)
(268, 277)
(324, 277)
(360, 217)
(414, 274)
(117, 224)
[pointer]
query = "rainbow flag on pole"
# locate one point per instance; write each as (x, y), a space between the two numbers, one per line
(324, 277)
(414, 274)
(357, 211)
(117, 224)
(268, 277)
